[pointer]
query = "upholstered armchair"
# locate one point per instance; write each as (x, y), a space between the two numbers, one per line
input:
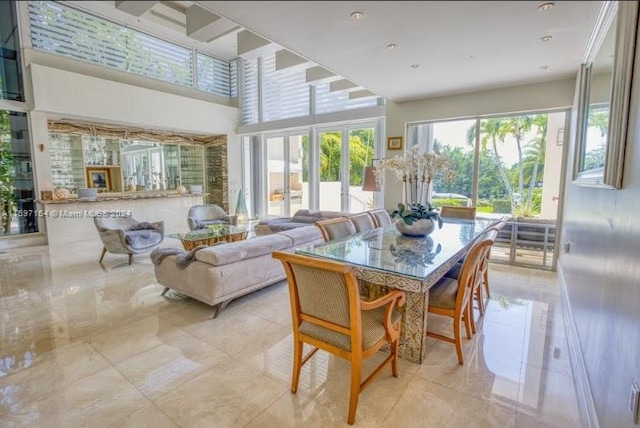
(128, 236)
(328, 314)
(203, 215)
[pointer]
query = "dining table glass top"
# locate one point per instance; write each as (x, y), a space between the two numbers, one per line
(387, 250)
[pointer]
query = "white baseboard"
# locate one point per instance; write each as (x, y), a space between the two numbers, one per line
(586, 406)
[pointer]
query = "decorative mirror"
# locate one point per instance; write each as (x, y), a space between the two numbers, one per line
(603, 102)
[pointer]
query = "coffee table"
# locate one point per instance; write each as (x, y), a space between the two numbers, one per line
(195, 238)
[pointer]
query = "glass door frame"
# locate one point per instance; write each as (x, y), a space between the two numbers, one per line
(345, 130)
(264, 190)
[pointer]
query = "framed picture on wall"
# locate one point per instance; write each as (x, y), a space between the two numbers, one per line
(394, 143)
(98, 178)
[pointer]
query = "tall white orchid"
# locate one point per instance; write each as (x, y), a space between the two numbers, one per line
(416, 170)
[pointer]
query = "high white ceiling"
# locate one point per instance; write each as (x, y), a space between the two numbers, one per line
(459, 46)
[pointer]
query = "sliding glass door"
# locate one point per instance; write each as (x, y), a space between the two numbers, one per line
(287, 173)
(505, 165)
(343, 155)
(331, 189)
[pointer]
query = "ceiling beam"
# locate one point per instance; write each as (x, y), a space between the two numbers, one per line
(290, 61)
(343, 85)
(361, 94)
(318, 75)
(251, 45)
(135, 8)
(205, 26)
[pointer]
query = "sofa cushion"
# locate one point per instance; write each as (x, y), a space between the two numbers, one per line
(225, 254)
(142, 238)
(332, 214)
(305, 219)
(302, 235)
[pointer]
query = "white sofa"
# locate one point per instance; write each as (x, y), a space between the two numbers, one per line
(227, 271)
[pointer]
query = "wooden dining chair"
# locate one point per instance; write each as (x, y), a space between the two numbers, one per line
(328, 314)
(478, 294)
(452, 298)
(380, 217)
(363, 222)
(336, 228)
(458, 212)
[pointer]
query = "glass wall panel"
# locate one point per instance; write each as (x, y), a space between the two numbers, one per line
(67, 163)
(11, 86)
(454, 141)
(275, 176)
(191, 165)
(171, 166)
(17, 193)
(298, 180)
(330, 171)
(361, 153)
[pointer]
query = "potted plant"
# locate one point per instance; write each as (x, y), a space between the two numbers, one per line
(416, 219)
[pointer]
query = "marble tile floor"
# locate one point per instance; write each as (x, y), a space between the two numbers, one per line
(84, 345)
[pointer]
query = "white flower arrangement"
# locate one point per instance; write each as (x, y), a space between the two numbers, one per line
(416, 170)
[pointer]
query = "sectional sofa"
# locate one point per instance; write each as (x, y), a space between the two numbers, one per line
(300, 219)
(227, 271)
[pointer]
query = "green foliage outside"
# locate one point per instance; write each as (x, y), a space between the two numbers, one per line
(7, 174)
(361, 152)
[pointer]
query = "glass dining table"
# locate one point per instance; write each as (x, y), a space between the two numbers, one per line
(384, 259)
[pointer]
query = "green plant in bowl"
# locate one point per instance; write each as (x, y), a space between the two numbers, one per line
(414, 212)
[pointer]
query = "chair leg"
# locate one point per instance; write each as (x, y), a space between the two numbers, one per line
(104, 251)
(480, 299)
(468, 315)
(130, 259)
(394, 361)
(458, 339)
(472, 320)
(356, 369)
(297, 365)
(486, 283)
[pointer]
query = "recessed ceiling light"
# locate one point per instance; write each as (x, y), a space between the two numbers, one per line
(415, 65)
(357, 16)
(546, 38)
(544, 67)
(546, 6)
(392, 46)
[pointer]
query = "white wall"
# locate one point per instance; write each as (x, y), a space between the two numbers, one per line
(524, 98)
(65, 94)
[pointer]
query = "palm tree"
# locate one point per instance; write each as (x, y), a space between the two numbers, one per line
(490, 131)
(517, 127)
(538, 145)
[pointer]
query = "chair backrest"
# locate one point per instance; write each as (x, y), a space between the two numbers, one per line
(471, 274)
(458, 212)
(489, 235)
(363, 222)
(324, 293)
(380, 217)
(114, 223)
(336, 228)
(206, 212)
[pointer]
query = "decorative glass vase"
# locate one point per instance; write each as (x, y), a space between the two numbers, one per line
(418, 228)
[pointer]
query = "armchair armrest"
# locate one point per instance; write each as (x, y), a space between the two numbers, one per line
(114, 240)
(159, 226)
(391, 297)
(232, 219)
(396, 297)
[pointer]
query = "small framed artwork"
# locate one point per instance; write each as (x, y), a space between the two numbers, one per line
(394, 143)
(98, 178)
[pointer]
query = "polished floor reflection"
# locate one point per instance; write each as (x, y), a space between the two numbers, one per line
(85, 345)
